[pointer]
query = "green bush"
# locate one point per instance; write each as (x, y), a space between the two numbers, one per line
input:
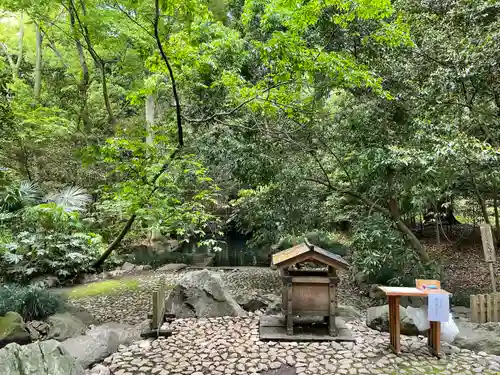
(40, 253)
(32, 303)
(380, 252)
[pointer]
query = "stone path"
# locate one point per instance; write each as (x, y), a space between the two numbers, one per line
(231, 346)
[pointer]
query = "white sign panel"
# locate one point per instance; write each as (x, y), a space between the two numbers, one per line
(439, 307)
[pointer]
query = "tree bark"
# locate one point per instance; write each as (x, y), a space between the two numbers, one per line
(150, 118)
(100, 63)
(495, 207)
(111, 116)
(98, 263)
(38, 64)
(16, 70)
(83, 83)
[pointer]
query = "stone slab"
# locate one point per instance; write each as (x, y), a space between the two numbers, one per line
(272, 328)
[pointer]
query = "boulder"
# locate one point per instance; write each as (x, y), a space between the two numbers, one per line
(348, 313)
(173, 267)
(413, 301)
(100, 342)
(100, 370)
(478, 337)
(128, 267)
(82, 314)
(13, 330)
(41, 358)
(64, 325)
(37, 329)
(274, 304)
(378, 318)
(251, 302)
(201, 294)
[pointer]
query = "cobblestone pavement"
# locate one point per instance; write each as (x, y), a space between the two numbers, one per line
(231, 346)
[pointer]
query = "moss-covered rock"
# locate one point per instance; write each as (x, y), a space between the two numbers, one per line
(12, 329)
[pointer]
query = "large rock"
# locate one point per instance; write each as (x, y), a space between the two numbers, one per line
(13, 330)
(348, 313)
(378, 318)
(41, 358)
(82, 314)
(128, 267)
(478, 337)
(201, 294)
(251, 302)
(100, 342)
(65, 325)
(273, 305)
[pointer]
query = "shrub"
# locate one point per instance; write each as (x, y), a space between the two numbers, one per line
(32, 303)
(34, 254)
(381, 253)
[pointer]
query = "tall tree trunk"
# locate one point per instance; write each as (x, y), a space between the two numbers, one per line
(38, 64)
(150, 118)
(495, 207)
(17, 66)
(98, 263)
(100, 63)
(111, 116)
(484, 211)
(85, 78)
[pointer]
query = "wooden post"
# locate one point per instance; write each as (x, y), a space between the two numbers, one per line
(289, 316)
(474, 308)
(394, 328)
(332, 293)
(489, 252)
(158, 305)
(496, 306)
(482, 308)
(434, 338)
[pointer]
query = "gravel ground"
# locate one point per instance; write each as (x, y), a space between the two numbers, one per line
(132, 306)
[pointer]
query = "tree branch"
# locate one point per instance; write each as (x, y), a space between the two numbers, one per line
(239, 106)
(171, 74)
(7, 54)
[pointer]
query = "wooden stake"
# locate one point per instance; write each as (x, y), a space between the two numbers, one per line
(493, 278)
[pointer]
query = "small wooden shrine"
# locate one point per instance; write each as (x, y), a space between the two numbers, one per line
(309, 292)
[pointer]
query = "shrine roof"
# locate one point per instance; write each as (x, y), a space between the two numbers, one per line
(306, 251)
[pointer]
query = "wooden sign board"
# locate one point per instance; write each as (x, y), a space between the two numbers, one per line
(488, 245)
(421, 284)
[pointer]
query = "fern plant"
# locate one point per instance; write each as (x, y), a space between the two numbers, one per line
(16, 197)
(71, 198)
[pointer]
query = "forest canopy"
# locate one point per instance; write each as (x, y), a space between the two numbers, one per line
(125, 122)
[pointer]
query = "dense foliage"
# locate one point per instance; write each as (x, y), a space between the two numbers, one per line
(31, 302)
(149, 121)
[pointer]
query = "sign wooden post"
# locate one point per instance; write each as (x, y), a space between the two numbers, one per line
(489, 252)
